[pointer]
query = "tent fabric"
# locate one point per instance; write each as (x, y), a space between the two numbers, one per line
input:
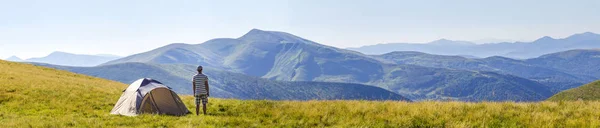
(149, 96)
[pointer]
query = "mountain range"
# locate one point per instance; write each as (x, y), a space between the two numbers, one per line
(282, 56)
(519, 50)
(234, 85)
(278, 65)
(559, 71)
(69, 59)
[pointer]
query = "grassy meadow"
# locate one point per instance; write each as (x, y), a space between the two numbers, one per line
(586, 92)
(33, 96)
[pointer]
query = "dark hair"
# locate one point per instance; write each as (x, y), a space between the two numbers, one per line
(199, 68)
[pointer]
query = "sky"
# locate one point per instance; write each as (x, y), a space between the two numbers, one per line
(35, 28)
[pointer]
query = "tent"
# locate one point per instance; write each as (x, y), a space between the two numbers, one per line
(149, 96)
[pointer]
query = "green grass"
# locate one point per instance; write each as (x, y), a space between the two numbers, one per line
(33, 96)
(586, 92)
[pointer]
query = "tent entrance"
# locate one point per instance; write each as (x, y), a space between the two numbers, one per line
(162, 101)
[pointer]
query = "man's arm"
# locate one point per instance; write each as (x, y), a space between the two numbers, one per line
(206, 86)
(194, 86)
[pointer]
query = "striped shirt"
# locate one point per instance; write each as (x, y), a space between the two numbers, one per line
(200, 80)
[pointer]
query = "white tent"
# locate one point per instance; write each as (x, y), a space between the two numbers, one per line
(149, 96)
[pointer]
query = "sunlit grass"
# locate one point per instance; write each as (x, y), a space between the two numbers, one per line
(32, 96)
(585, 92)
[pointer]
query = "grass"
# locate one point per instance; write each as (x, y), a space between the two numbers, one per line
(588, 92)
(33, 96)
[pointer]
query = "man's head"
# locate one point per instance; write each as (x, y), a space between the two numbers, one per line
(199, 69)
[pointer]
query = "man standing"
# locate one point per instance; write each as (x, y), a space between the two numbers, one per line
(200, 82)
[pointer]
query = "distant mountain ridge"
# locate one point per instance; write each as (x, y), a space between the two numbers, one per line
(521, 50)
(583, 62)
(537, 69)
(69, 59)
(14, 59)
(286, 57)
(234, 85)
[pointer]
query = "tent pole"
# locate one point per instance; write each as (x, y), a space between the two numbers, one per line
(177, 103)
(154, 101)
(139, 110)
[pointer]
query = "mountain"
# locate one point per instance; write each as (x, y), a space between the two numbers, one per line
(442, 47)
(554, 78)
(234, 85)
(286, 57)
(582, 62)
(422, 83)
(69, 59)
(547, 45)
(522, 50)
(271, 55)
(584, 92)
(490, 40)
(14, 59)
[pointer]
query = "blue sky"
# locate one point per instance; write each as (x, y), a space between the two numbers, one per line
(34, 28)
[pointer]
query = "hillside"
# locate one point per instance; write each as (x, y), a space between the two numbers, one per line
(69, 59)
(427, 83)
(234, 85)
(549, 76)
(521, 50)
(590, 91)
(34, 96)
(582, 62)
(285, 57)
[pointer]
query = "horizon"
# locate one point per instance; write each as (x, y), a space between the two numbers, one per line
(111, 54)
(130, 27)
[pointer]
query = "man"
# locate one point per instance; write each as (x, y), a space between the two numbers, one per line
(200, 82)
